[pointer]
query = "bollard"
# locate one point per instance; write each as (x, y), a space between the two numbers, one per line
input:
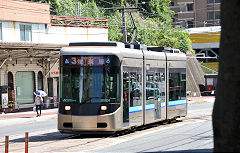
(26, 142)
(3, 108)
(6, 143)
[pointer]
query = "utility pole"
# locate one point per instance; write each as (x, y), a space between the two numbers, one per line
(79, 9)
(195, 13)
(214, 13)
(124, 24)
(134, 29)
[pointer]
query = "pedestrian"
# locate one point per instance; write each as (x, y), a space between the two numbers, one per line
(38, 102)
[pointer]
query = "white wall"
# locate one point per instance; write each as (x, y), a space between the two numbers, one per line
(53, 34)
(64, 35)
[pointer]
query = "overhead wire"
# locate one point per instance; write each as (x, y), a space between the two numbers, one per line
(109, 3)
(121, 25)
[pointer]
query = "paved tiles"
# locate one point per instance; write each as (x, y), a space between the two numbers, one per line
(27, 114)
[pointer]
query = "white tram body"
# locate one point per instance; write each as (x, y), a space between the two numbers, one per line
(105, 87)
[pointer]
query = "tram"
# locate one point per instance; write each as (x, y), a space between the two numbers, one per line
(106, 87)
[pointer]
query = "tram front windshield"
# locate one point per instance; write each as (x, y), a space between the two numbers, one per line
(90, 79)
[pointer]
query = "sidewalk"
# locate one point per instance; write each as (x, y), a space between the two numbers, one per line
(9, 119)
(27, 114)
(46, 112)
(201, 99)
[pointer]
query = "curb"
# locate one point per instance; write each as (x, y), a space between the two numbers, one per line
(15, 121)
(29, 114)
(201, 99)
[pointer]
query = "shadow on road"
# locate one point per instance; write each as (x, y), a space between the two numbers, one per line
(53, 136)
(188, 151)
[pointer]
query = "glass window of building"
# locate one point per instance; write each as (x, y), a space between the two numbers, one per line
(10, 81)
(190, 7)
(210, 1)
(217, 15)
(182, 7)
(183, 24)
(40, 80)
(190, 24)
(25, 33)
(210, 15)
(50, 87)
(214, 1)
(173, 19)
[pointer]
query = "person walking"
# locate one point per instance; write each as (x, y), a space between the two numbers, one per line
(38, 104)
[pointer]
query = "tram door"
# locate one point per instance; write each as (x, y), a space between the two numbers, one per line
(132, 96)
(126, 89)
(155, 93)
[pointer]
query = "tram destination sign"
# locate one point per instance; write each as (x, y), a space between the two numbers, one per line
(86, 60)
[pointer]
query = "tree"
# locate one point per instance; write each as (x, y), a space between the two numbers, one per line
(226, 113)
(153, 20)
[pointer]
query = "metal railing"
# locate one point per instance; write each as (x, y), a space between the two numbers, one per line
(9, 105)
(207, 69)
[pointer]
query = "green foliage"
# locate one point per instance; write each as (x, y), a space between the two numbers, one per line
(153, 20)
(114, 28)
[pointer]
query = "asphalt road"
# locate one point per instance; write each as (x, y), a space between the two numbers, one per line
(30, 127)
(194, 133)
(197, 137)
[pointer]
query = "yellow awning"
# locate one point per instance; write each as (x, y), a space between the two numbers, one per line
(205, 38)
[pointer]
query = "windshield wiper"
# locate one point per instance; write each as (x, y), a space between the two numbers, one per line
(89, 100)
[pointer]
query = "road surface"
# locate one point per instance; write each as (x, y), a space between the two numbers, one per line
(194, 133)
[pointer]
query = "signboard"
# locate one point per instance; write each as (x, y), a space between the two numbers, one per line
(54, 71)
(209, 81)
(5, 100)
(86, 60)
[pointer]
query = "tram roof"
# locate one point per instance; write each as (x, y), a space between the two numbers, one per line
(118, 49)
(176, 57)
(152, 55)
(101, 50)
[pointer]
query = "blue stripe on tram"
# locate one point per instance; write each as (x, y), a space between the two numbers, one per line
(139, 108)
(135, 109)
(176, 103)
(150, 107)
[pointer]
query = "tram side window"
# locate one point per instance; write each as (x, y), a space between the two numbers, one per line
(155, 85)
(160, 84)
(183, 84)
(67, 83)
(177, 85)
(150, 86)
(135, 93)
(132, 86)
(125, 86)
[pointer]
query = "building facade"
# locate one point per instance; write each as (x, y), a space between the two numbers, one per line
(206, 41)
(196, 13)
(30, 41)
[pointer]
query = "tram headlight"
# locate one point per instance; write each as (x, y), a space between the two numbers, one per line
(103, 108)
(67, 108)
